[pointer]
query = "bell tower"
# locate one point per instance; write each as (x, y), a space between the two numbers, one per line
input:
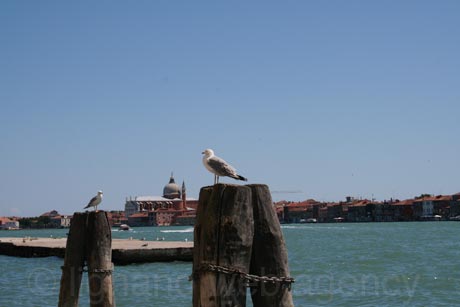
(184, 197)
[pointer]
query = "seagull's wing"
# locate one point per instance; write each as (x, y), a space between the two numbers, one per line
(91, 202)
(221, 167)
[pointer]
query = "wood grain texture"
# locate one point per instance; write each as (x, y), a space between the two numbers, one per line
(99, 257)
(223, 235)
(269, 253)
(73, 262)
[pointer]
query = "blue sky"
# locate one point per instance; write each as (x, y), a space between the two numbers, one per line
(331, 98)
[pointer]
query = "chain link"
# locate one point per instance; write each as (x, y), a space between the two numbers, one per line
(85, 269)
(249, 279)
(102, 271)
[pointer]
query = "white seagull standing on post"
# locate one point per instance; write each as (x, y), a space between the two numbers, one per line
(96, 200)
(219, 167)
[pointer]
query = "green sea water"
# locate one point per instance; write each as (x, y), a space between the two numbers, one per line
(368, 264)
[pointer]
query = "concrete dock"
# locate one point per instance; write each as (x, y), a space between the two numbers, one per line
(124, 251)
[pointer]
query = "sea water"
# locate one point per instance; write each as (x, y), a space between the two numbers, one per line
(343, 264)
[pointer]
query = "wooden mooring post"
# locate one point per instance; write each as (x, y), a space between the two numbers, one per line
(90, 240)
(269, 254)
(74, 262)
(236, 227)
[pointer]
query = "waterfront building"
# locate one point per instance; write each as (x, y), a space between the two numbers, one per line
(455, 205)
(140, 219)
(172, 208)
(441, 206)
(427, 208)
(337, 212)
(384, 212)
(7, 223)
(433, 207)
(116, 218)
(361, 211)
(403, 210)
(53, 219)
(323, 212)
(280, 208)
(61, 221)
(423, 208)
(296, 212)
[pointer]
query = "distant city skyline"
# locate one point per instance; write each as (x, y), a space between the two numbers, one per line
(328, 98)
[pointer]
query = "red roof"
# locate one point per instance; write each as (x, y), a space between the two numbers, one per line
(360, 203)
(443, 198)
(299, 205)
(407, 202)
(305, 203)
(298, 209)
(140, 214)
(435, 198)
(5, 220)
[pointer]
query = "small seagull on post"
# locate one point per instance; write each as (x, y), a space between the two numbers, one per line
(219, 167)
(96, 200)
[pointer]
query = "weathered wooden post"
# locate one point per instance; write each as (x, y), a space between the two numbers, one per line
(269, 254)
(90, 239)
(73, 262)
(222, 246)
(205, 195)
(99, 260)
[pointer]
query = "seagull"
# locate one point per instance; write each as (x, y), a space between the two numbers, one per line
(96, 200)
(219, 167)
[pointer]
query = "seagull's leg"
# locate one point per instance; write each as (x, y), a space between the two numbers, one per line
(215, 178)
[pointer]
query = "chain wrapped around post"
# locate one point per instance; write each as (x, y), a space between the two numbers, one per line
(85, 269)
(249, 279)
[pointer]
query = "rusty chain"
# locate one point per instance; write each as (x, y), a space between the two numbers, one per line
(248, 279)
(85, 269)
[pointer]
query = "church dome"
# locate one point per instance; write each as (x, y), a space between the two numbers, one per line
(171, 190)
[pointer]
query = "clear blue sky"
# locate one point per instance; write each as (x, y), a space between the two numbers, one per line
(332, 98)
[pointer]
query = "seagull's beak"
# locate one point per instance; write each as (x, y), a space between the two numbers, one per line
(202, 153)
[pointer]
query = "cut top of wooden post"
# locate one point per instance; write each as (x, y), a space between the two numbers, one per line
(223, 236)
